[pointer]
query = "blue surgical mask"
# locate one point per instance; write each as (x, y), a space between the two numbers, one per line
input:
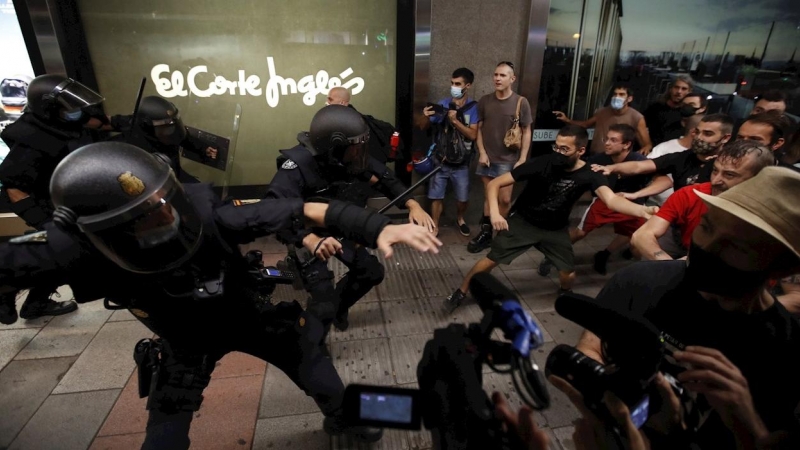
(617, 103)
(456, 92)
(73, 116)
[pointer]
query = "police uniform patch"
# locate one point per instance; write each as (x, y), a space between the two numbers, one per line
(39, 237)
(289, 165)
(131, 184)
(246, 202)
(139, 313)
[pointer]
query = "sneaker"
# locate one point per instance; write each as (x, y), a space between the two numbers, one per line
(601, 261)
(336, 424)
(544, 267)
(455, 299)
(34, 308)
(463, 228)
(8, 308)
(481, 242)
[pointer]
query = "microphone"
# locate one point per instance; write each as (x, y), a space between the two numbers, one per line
(487, 289)
(613, 326)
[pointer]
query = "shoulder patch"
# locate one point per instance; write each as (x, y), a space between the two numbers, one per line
(289, 165)
(245, 202)
(32, 238)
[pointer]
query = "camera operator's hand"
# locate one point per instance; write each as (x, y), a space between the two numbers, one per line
(413, 235)
(725, 388)
(522, 424)
(590, 432)
(670, 418)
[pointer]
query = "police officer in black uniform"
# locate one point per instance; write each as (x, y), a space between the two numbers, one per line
(52, 127)
(159, 129)
(179, 271)
(332, 161)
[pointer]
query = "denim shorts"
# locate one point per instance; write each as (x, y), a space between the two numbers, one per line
(494, 170)
(459, 175)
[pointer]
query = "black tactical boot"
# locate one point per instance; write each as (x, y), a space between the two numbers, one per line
(340, 321)
(482, 241)
(8, 308)
(39, 304)
(336, 424)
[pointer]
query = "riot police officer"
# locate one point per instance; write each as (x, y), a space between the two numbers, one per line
(160, 129)
(332, 161)
(51, 127)
(178, 269)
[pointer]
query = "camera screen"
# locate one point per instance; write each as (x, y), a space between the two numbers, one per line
(640, 413)
(273, 272)
(386, 407)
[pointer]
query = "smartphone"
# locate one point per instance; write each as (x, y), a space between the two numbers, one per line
(381, 406)
(437, 108)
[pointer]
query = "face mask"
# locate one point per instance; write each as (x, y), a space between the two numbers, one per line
(703, 148)
(561, 160)
(456, 92)
(707, 272)
(617, 103)
(73, 116)
(688, 110)
(157, 236)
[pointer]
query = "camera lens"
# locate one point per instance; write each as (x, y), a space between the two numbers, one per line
(582, 372)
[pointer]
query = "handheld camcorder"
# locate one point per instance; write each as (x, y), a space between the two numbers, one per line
(636, 353)
(451, 402)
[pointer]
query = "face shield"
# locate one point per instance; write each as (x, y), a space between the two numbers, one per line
(354, 155)
(170, 131)
(159, 234)
(72, 95)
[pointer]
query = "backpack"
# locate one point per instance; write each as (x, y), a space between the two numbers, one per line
(451, 146)
(380, 136)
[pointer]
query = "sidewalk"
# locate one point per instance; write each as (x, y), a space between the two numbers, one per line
(69, 382)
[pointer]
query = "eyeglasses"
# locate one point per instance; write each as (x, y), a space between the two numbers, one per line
(507, 63)
(562, 150)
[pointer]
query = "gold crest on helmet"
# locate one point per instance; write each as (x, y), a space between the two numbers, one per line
(131, 184)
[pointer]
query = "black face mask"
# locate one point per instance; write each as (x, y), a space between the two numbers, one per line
(687, 110)
(709, 273)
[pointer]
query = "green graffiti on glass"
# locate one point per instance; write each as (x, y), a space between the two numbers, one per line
(382, 37)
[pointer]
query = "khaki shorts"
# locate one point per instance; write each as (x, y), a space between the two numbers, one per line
(521, 236)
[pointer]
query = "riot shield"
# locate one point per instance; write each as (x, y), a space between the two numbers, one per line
(211, 137)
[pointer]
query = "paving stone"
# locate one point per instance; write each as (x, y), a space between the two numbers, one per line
(406, 258)
(121, 315)
(530, 285)
(419, 284)
(564, 436)
(22, 323)
(118, 442)
(227, 418)
(237, 364)
(129, 414)
(423, 315)
(365, 322)
(12, 341)
(65, 335)
(107, 361)
(392, 439)
(366, 361)
(291, 432)
(406, 353)
(281, 397)
(24, 385)
(66, 422)
(562, 330)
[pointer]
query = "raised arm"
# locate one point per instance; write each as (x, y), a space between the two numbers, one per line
(628, 168)
(645, 240)
(659, 184)
(622, 205)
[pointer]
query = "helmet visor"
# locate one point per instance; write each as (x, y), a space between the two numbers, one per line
(354, 155)
(72, 95)
(160, 239)
(170, 131)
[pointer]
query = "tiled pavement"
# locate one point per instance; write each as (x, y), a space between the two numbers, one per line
(69, 382)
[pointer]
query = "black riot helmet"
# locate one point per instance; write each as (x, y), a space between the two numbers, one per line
(129, 204)
(340, 134)
(50, 95)
(161, 121)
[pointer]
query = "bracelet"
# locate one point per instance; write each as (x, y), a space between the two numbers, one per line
(319, 244)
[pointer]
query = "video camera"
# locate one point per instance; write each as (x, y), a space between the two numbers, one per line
(636, 353)
(451, 402)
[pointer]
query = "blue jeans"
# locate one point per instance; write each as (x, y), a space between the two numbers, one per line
(494, 170)
(459, 175)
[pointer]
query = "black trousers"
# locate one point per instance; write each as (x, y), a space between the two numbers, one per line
(285, 336)
(365, 271)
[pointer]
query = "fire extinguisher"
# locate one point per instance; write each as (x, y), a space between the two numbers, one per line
(394, 142)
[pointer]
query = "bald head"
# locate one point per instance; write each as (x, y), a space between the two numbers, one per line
(338, 96)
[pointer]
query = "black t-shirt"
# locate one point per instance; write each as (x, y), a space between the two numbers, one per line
(551, 192)
(685, 168)
(663, 122)
(765, 346)
(624, 184)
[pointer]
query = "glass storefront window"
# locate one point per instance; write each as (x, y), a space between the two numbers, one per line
(275, 59)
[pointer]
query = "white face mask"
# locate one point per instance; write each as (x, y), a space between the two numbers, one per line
(456, 92)
(617, 103)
